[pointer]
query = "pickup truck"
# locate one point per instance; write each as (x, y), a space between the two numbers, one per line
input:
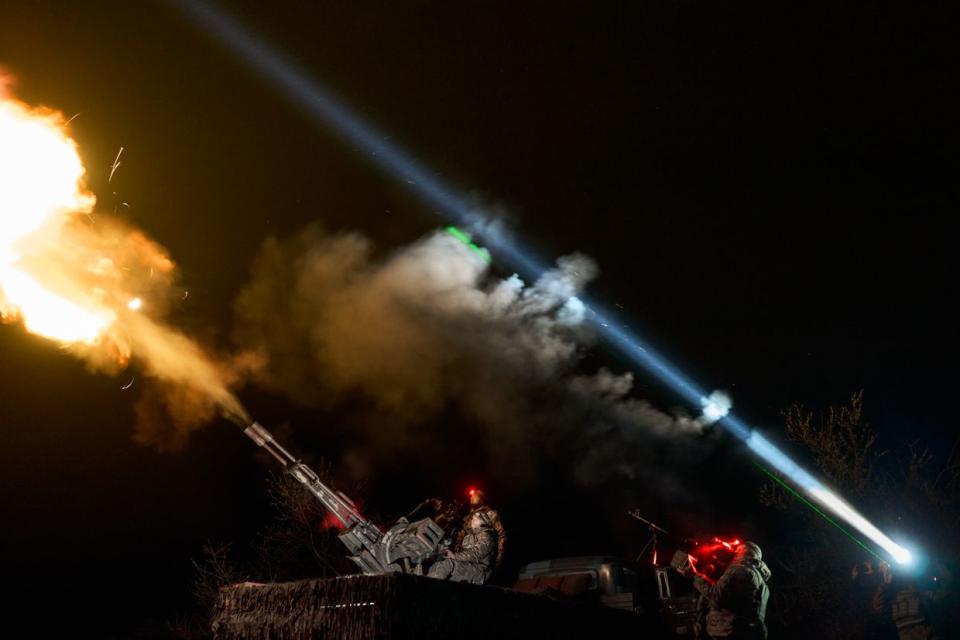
(663, 599)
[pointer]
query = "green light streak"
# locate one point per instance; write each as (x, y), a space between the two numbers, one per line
(458, 234)
(464, 237)
(817, 510)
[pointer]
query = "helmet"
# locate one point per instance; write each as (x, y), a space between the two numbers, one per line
(477, 497)
(748, 551)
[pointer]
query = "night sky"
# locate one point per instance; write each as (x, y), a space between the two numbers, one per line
(767, 192)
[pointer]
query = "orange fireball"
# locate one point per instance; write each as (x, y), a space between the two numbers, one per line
(41, 188)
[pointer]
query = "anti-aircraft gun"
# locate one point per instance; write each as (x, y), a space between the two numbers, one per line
(403, 548)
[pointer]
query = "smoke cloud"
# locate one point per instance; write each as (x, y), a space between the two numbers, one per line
(428, 330)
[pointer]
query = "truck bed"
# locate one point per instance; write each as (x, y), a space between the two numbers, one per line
(406, 606)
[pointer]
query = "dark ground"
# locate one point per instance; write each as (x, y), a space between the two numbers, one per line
(767, 191)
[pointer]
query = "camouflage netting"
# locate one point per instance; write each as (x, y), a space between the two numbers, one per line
(404, 606)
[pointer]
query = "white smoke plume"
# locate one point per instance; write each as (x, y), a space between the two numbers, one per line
(428, 330)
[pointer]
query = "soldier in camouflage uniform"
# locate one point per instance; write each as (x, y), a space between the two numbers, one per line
(475, 555)
(908, 604)
(738, 600)
(478, 502)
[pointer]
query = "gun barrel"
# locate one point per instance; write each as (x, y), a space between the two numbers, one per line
(264, 439)
(374, 550)
(651, 525)
(335, 503)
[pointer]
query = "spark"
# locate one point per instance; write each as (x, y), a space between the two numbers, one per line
(115, 165)
(322, 106)
(128, 385)
(135, 304)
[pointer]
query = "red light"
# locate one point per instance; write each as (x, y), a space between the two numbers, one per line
(729, 545)
(331, 521)
(471, 491)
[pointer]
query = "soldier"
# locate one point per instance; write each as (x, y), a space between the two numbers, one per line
(478, 503)
(864, 579)
(475, 555)
(737, 602)
(913, 604)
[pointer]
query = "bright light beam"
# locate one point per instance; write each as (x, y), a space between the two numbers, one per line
(814, 508)
(325, 109)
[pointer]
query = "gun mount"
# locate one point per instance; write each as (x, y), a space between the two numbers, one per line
(404, 547)
(652, 542)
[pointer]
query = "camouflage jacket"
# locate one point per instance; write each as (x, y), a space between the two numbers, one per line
(479, 547)
(738, 600)
(493, 519)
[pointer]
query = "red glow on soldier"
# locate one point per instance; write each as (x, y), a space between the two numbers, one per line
(708, 560)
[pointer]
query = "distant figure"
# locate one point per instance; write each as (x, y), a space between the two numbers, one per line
(913, 603)
(864, 580)
(737, 602)
(474, 556)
